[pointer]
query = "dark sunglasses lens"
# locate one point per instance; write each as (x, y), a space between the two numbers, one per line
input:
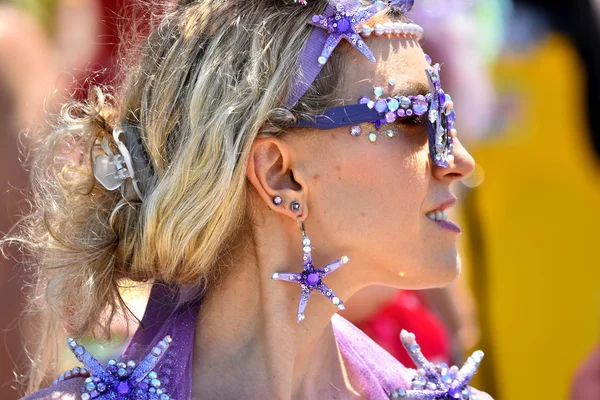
(431, 137)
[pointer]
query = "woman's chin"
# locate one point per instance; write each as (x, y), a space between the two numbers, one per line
(432, 273)
(446, 271)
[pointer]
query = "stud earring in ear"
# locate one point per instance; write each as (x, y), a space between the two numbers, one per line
(277, 200)
(295, 206)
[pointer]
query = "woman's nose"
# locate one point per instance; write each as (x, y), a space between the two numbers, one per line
(460, 167)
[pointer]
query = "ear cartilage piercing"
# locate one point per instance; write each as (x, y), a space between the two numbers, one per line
(277, 200)
(311, 278)
(295, 206)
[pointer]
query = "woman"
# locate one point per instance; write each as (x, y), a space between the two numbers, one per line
(244, 129)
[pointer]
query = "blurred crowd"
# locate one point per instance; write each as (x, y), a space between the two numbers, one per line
(524, 77)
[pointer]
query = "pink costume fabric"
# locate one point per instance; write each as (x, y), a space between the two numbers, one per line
(171, 311)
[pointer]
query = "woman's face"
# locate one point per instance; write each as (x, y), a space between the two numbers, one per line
(370, 200)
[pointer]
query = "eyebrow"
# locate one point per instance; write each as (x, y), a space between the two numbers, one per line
(412, 88)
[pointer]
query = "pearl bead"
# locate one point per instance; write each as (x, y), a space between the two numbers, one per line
(379, 29)
(388, 28)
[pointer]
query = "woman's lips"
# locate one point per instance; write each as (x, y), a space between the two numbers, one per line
(451, 226)
(440, 216)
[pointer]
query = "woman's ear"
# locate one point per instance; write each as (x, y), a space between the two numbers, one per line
(271, 171)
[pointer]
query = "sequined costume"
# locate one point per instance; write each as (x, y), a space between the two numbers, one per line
(171, 312)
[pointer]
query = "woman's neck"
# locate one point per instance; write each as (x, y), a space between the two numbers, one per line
(248, 343)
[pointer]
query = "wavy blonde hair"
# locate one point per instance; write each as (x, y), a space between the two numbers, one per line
(206, 79)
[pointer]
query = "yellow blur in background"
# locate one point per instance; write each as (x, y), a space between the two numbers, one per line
(534, 263)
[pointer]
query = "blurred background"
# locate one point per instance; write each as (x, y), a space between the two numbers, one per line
(525, 79)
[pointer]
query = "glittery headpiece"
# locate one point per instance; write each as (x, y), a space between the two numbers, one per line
(344, 20)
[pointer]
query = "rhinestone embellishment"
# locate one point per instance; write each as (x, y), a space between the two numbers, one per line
(119, 380)
(312, 279)
(432, 382)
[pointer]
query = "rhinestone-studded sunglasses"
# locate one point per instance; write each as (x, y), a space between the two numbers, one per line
(437, 105)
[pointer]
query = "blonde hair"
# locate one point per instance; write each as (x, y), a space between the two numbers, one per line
(209, 77)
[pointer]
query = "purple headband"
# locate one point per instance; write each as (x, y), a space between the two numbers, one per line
(337, 22)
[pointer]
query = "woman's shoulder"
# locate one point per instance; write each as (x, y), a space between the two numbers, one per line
(69, 389)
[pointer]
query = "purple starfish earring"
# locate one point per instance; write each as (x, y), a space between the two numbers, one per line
(311, 278)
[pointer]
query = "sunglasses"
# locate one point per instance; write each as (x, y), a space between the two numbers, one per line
(437, 105)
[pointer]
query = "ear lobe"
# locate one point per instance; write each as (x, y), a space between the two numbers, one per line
(270, 171)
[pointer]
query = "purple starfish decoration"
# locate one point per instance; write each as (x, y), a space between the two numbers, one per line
(122, 381)
(437, 381)
(342, 25)
(311, 279)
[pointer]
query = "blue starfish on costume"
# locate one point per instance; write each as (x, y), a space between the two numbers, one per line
(122, 381)
(311, 279)
(432, 381)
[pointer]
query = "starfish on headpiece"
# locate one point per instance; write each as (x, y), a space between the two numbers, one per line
(342, 24)
(340, 21)
(348, 16)
(311, 279)
(123, 381)
(437, 381)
